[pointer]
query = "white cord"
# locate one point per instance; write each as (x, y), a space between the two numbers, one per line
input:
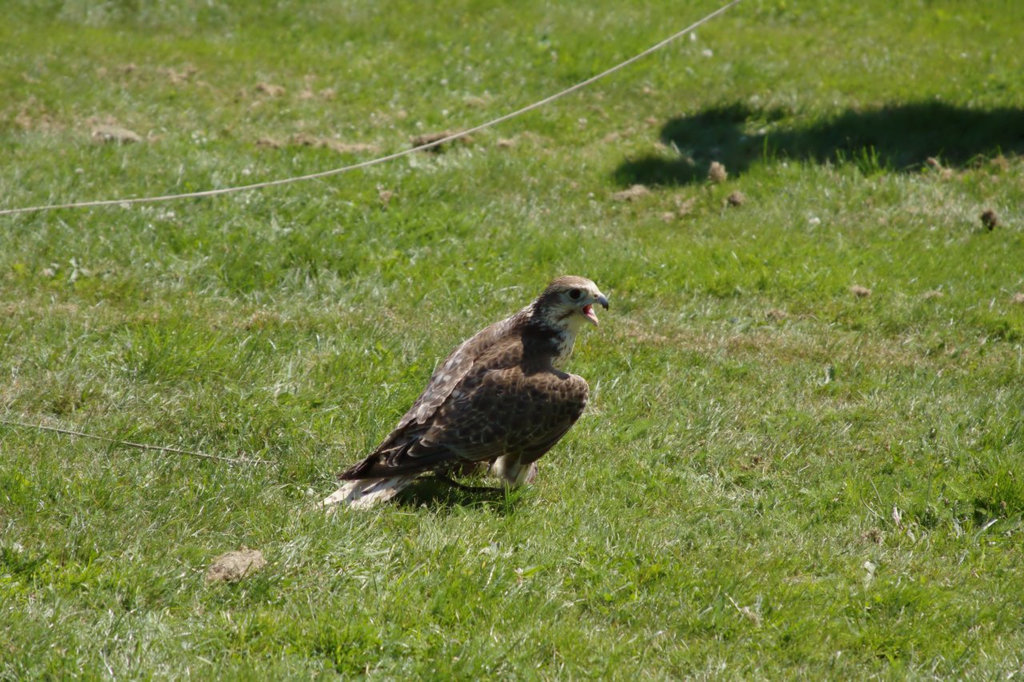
(128, 443)
(382, 159)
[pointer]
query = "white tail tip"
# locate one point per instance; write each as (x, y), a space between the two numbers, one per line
(365, 493)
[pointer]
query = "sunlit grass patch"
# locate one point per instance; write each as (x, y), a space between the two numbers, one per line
(801, 452)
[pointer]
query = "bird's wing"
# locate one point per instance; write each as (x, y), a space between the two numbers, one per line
(402, 450)
(505, 411)
(493, 412)
(453, 371)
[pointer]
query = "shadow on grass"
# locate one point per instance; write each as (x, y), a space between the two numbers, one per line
(436, 493)
(898, 137)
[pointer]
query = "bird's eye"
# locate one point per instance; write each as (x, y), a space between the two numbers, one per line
(575, 294)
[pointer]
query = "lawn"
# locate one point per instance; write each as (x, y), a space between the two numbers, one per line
(802, 456)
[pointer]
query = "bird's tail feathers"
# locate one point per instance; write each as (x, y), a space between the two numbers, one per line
(367, 492)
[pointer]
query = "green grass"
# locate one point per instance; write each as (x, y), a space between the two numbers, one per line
(776, 478)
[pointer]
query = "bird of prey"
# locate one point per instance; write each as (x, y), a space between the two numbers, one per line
(498, 400)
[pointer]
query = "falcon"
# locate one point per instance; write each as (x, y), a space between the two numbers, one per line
(499, 400)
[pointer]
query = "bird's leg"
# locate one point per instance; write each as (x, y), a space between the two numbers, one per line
(513, 471)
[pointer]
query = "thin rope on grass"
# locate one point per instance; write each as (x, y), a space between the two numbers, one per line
(129, 444)
(382, 159)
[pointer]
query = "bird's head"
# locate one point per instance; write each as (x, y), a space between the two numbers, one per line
(568, 301)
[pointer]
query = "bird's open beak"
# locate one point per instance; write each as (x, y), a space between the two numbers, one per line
(588, 310)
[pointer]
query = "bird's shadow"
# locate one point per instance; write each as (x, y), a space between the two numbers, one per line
(440, 494)
(899, 137)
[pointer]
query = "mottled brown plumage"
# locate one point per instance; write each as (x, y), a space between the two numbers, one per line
(498, 399)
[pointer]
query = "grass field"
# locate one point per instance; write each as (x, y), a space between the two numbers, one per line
(803, 453)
